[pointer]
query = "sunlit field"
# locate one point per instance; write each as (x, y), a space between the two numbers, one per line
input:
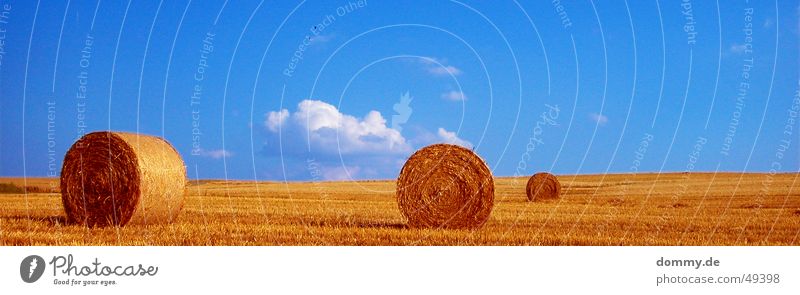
(618, 209)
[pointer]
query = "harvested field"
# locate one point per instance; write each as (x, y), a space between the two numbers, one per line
(620, 209)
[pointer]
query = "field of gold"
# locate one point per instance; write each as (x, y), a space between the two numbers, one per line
(613, 209)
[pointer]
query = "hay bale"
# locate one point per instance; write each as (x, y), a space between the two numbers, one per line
(543, 186)
(447, 186)
(117, 178)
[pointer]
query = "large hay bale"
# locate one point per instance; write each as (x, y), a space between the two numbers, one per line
(447, 186)
(117, 178)
(543, 186)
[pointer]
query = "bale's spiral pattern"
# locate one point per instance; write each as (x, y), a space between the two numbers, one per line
(116, 178)
(542, 186)
(444, 185)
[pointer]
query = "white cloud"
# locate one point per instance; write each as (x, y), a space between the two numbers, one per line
(329, 131)
(342, 146)
(768, 23)
(216, 154)
(600, 119)
(423, 137)
(319, 39)
(276, 119)
(439, 67)
(738, 48)
(451, 138)
(454, 95)
(340, 172)
(444, 70)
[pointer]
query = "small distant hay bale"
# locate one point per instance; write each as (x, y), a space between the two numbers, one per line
(445, 186)
(543, 186)
(117, 178)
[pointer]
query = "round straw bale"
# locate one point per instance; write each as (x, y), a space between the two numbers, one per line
(543, 186)
(445, 186)
(117, 178)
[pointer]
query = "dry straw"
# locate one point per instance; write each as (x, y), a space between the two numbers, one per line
(116, 178)
(447, 186)
(543, 186)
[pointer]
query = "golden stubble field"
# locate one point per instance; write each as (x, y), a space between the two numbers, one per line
(614, 209)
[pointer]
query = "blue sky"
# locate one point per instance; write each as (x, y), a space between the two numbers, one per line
(324, 90)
